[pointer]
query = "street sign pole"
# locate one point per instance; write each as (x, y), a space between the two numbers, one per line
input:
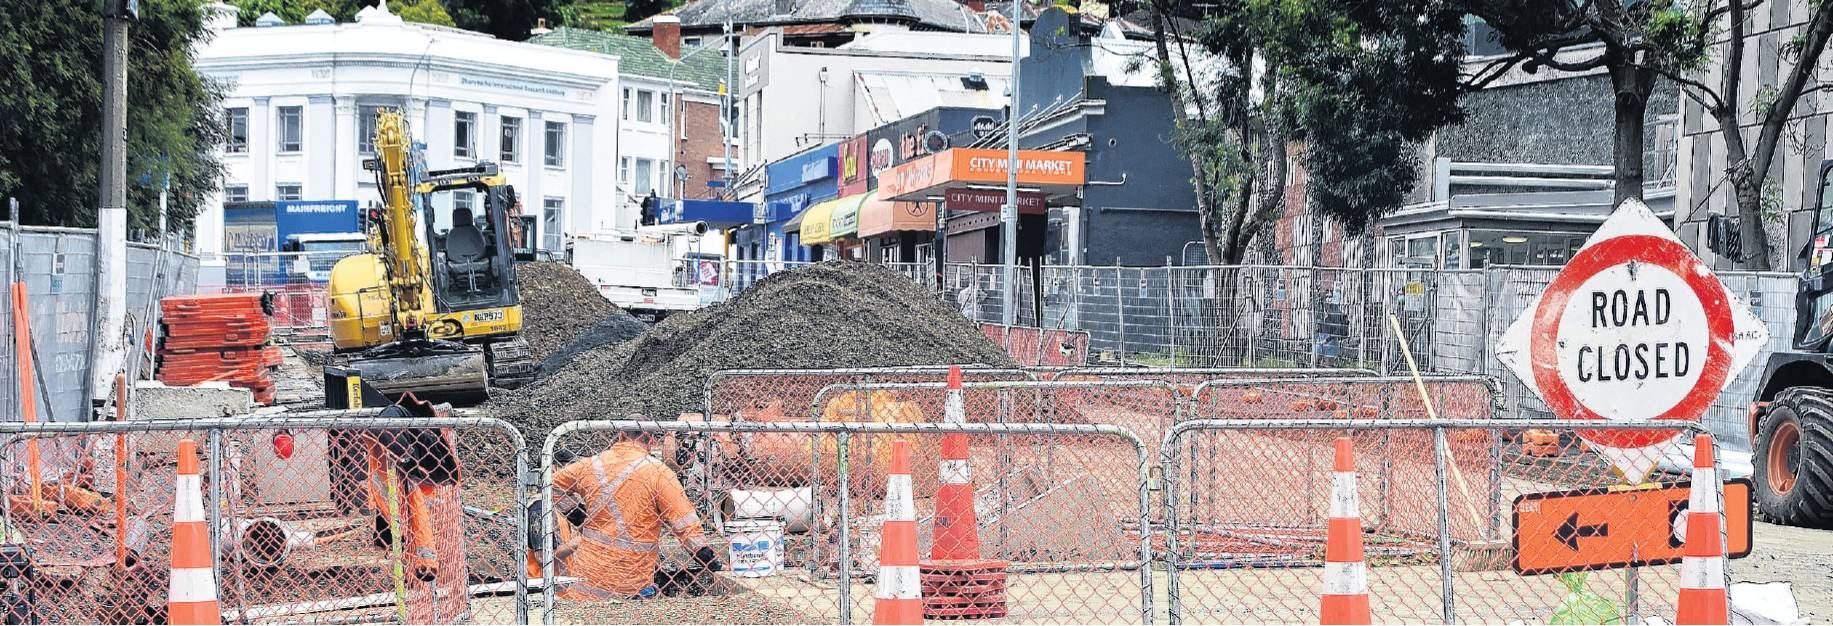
(1009, 213)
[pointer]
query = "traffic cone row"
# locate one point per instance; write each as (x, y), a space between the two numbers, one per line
(1345, 597)
(1702, 562)
(957, 583)
(191, 597)
(898, 599)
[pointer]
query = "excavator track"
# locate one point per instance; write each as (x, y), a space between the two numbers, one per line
(512, 363)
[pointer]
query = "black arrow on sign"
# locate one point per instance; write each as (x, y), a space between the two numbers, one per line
(1569, 532)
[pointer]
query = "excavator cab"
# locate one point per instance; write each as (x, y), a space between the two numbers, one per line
(473, 254)
(1814, 299)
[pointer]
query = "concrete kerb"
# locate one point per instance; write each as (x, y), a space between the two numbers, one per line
(1168, 459)
(841, 431)
(355, 419)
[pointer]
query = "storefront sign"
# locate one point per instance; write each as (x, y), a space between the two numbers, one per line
(817, 169)
(960, 166)
(992, 200)
(853, 166)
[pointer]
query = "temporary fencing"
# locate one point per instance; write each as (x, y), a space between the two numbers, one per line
(1450, 509)
(328, 516)
(1061, 521)
(778, 395)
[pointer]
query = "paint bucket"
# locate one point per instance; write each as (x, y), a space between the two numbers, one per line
(756, 547)
(794, 506)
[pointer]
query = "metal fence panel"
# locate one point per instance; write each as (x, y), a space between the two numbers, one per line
(1060, 506)
(306, 523)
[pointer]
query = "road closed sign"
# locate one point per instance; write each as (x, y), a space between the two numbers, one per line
(1635, 328)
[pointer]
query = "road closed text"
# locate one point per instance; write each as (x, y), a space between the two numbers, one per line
(1623, 309)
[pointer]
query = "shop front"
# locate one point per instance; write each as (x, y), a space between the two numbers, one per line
(795, 184)
(968, 186)
(895, 231)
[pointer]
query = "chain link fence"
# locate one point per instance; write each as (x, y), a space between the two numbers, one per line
(1439, 501)
(331, 517)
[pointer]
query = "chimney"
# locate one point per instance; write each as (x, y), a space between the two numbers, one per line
(665, 32)
(540, 27)
(977, 6)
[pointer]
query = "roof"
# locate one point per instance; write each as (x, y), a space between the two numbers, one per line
(1134, 25)
(894, 95)
(638, 56)
(933, 14)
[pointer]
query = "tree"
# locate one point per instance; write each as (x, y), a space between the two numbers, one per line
(1747, 164)
(426, 12)
(50, 144)
(1634, 42)
(635, 10)
(504, 19)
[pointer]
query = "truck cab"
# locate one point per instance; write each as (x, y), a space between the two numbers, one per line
(644, 271)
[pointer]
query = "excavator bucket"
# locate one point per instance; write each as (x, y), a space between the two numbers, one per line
(438, 371)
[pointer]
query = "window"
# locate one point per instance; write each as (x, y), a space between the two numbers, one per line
(644, 178)
(623, 170)
(238, 130)
(235, 193)
(286, 191)
(464, 135)
(665, 178)
(366, 129)
(464, 199)
(665, 103)
(556, 142)
(550, 222)
(645, 103)
(511, 139)
(290, 129)
(626, 103)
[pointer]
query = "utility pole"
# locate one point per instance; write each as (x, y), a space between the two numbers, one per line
(1009, 213)
(109, 337)
(725, 97)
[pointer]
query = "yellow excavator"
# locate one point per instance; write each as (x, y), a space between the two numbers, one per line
(431, 311)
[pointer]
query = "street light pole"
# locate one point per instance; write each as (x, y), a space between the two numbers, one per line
(111, 210)
(1009, 213)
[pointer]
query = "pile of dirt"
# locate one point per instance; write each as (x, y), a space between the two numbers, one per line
(830, 315)
(615, 328)
(557, 305)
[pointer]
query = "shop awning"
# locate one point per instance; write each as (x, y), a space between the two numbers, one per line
(877, 217)
(845, 222)
(1050, 172)
(817, 221)
(716, 213)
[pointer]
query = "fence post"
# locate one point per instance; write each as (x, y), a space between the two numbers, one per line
(1168, 459)
(1441, 450)
(846, 557)
(1120, 312)
(216, 503)
(1170, 312)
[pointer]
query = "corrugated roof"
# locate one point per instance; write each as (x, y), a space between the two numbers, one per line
(639, 57)
(893, 96)
(934, 14)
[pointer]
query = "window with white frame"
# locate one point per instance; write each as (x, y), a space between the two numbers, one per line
(665, 106)
(464, 134)
(237, 122)
(645, 105)
(286, 191)
(235, 193)
(289, 129)
(626, 104)
(464, 199)
(366, 128)
(555, 144)
(644, 178)
(623, 170)
(511, 137)
(550, 222)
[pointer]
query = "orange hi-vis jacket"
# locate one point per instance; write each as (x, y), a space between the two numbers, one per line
(630, 497)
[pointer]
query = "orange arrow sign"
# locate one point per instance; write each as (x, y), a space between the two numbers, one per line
(1587, 529)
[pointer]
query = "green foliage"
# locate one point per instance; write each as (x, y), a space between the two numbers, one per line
(504, 19)
(635, 10)
(50, 143)
(425, 12)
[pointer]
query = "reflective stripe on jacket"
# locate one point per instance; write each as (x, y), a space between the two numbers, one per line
(630, 498)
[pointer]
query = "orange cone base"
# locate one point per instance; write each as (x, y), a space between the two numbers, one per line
(193, 613)
(963, 588)
(1702, 606)
(897, 611)
(1345, 610)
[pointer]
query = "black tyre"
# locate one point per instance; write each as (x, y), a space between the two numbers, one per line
(1793, 461)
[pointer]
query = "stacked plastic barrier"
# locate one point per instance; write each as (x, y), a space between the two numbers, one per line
(223, 337)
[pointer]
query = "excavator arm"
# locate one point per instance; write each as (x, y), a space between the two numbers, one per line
(404, 259)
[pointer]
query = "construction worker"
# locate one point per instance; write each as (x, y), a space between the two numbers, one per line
(421, 462)
(628, 497)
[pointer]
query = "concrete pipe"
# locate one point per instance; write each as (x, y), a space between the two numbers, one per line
(795, 507)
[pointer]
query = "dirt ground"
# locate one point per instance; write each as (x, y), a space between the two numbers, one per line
(1802, 556)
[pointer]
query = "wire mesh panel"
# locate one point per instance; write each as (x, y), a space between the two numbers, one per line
(342, 517)
(1057, 532)
(1462, 521)
(776, 395)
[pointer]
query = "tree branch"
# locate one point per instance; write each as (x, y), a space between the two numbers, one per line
(1492, 71)
(1820, 29)
(1698, 88)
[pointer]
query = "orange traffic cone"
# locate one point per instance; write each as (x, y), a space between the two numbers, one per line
(192, 598)
(899, 599)
(957, 531)
(1345, 576)
(1702, 562)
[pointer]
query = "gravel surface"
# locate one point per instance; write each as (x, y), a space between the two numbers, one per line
(1802, 556)
(613, 329)
(835, 314)
(557, 305)
(744, 607)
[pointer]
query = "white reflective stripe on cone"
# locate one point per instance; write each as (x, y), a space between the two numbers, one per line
(192, 584)
(899, 503)
(954, 409)
(899, 582)
(1345, 579)
(1343, 500)
(189, 506)
(1704, 492)
(956, 473)
(1702, 572)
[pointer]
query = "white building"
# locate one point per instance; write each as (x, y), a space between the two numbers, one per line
(302, 101)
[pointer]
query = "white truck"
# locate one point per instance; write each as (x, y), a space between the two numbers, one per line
(642, 270)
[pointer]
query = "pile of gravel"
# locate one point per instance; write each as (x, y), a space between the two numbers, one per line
(557, 305)
(830, 315)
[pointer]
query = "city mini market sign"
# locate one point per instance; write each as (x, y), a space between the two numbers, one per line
(961, 166)
(1635, 328)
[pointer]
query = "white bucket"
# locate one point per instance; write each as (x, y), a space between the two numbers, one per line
(756, 547)
(793, 506)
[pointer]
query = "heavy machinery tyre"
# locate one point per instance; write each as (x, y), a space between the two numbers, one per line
(1793, 464)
